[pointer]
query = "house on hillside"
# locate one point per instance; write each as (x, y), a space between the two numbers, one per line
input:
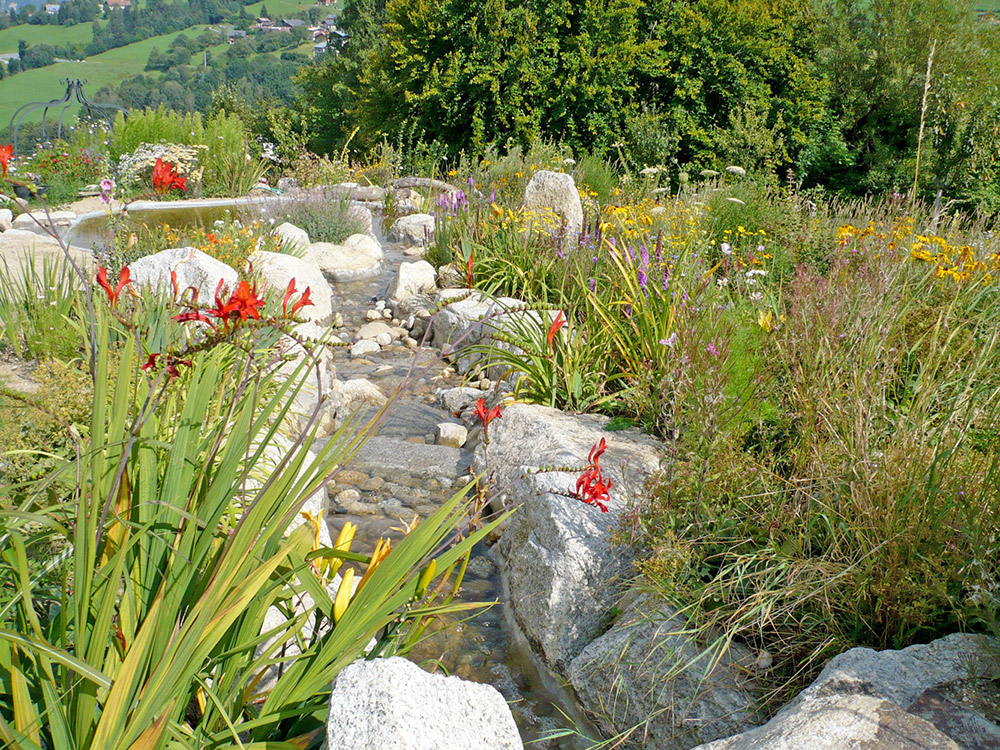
(262, 24)
(337, 39)
(233, 34)
(293, 23)
(52, 9)
(121, 4)
(320, 49)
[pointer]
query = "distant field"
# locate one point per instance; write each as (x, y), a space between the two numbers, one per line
(109, 67)
(280, 8)
(80, 33)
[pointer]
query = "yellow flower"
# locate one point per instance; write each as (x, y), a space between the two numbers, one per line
(765, 319)
(344, 595)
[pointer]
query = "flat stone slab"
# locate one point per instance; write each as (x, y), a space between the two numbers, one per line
(397, 460)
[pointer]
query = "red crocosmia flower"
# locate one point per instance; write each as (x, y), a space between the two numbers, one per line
(558, 323)
(212, 238)
(303, 301)
(244, 302)
(165, 177)
(468, 271)
(173, 283)
(170, 363)
(487, 416)
(6, 152)
(593, 487)
(194, 315)
(113, 294)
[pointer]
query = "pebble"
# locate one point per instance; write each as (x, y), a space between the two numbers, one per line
(380, 305)
(411, 343)
(384, 339)
(373, 315)
(395, 322)
(346, 476)
(363, 348)
(338, 321)
(346, 498)
(372, 484)
(408, 323)
(450, 434)
(382, 371)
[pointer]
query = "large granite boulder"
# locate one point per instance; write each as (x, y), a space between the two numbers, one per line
(887, 700)
(467, 320)
(648, 671)
(292, 236)
(392, 704)
(559, 564)
(412, 279)
(556, 192)
(359, 257)
(6, 219)
(309, 358)
(415, 229)
(277, 269)
(193, 269)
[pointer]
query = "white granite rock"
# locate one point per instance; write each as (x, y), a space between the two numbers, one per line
(193, 269)
(557, 192)
(359, 257)
(412, 279)
(392, 704)
(277, 269)
(414, 230)
(451, 433)
(292, 236)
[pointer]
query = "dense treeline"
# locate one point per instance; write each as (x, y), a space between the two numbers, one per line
(832, 89)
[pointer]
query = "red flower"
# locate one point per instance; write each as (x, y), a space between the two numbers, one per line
(243, 302)
(558, 323)
(303, 301)
(173, 283)
(6, 152)
(170, 363)
(102, 280)
(165, 177)
(487, 416)
(593, 487)
(468, 271)
(197, 316)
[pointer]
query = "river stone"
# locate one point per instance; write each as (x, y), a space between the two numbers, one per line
(355, 192)
(357, 393)
(635, 675)
(557, 192)
(396, 460)
(450, 433)
(364, 348)
(292, 236)
(875, 699)
(359, 257)
(415, 229)
(560, 567)
(193, 268)
(276, 270)
(373, 329)
(459, 399)
(363, 216)
(392, 704)
(412, 279)
(60, 221)
(6, 219)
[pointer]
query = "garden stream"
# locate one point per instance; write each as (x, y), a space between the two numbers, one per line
(401, 473)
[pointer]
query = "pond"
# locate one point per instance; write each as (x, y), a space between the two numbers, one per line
(93, 230)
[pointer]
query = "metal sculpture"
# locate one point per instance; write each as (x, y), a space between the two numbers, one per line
(74, 90)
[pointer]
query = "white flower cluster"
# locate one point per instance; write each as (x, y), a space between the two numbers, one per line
(138, 166)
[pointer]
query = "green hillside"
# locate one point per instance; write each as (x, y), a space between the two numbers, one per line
(80, 33)
(280, 8)
(110, 67)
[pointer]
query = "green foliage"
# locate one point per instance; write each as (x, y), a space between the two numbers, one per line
(226, 158)
(37, 300)
(154, 635)
(324, 220)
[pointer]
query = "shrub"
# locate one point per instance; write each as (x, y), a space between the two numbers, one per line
(323, 219)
